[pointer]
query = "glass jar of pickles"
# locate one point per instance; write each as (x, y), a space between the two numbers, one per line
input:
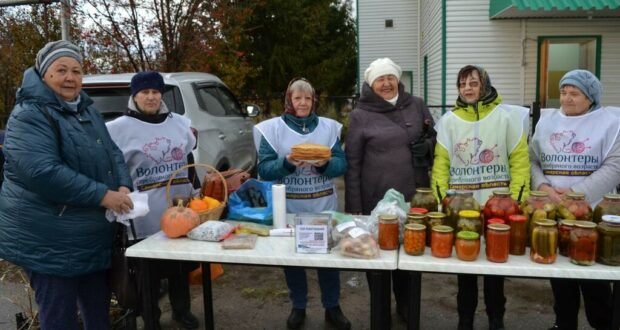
(469, 220)
(467, 245)
(463, 200)
(498, 242)
(424, 198)
(500, 205)
(441, 241)
(414, 239)
(609, 240)
(388, 232)
(609, 205)
(537, 206)
(544, 242)
(418, 218)
(575, 207)
(518, 234)
(433, 219)
(583, 240)
(446, 199)
(564, 229)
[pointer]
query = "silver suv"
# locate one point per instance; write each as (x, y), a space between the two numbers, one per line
(222, 125)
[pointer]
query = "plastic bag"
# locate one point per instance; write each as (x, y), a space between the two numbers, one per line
(393, 203)
(240, 241)
(357, 242)
(213, 231)
(245, 227)
(252, 202)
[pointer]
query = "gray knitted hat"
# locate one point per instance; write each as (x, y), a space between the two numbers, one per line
(587, 82)
(53, 51)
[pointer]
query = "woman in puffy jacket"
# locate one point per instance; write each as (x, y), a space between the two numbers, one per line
(62, 172)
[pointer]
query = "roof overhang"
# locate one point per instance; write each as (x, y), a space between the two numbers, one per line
(513, 9)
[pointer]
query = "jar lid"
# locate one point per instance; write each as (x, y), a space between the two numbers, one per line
(496, 220)
(388, 217)
(469, 214)
(498, 227)
(464, 193)
(418, 210)
(614, 219)
(443, 229)
(424, 190)
(436, 215)
(517, 217)
(576, 195)
(567, 222)
(585, 224)
(415, 226)
(418, 216)
(612, 196)
(468, 235)
(502, 192)
(545, 222)
(538, 193)
(450, 192)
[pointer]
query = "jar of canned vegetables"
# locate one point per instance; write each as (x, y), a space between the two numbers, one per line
(609, 205)
(518, 234)
(583, 240)
(498, 242)
(564, 229)
(433, 219)
(442, 239)
(462, 200)
(424, 198)
(575, 207)
(418, 218)
(414, 239)
(499, 205)
(544, 242)
(609, 240)
(537, 206)
(469, 220)
(450, 193)
(388, 232)
(467, 245)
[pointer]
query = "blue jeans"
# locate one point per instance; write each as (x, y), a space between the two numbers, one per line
(59, 298)
(329, 281)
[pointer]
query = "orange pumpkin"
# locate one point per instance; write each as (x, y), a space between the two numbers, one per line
(199, 205)
(178, 220)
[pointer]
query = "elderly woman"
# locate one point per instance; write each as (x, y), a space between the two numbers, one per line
(147, 121)
(62, 172)
(480, 118)
(389, 145)
(309, 185)
(581, 114)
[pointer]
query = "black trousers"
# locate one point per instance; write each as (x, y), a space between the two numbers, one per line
(467, 297)
(596, 297)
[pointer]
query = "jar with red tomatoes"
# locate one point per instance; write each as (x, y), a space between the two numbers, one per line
(462, 200)
(467, 245)
(537, 206)
(583, 240)
(565, 227)
(609, 205)
(500, 205)
(498, 242)
(518, 234)
(575, 207)
(442, 240)
(424, 198)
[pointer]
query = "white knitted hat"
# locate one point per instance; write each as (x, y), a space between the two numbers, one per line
(381, 67)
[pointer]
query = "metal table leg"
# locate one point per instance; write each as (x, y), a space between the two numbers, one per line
(615, 312)
(148, 314)
(415, 293)
(207, 295)
(379, 282)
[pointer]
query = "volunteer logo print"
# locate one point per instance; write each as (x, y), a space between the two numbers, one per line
(565, 142)
(161, 150)
(469, 153)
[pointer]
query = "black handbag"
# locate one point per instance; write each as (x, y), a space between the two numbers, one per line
(123, 278)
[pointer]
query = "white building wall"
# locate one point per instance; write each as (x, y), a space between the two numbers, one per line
(431, 47)
(398, 43)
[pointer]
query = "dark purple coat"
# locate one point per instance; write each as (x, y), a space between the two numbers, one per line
(378, 149)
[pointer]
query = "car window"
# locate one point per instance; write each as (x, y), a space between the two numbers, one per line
(112, 101)
(218, 101)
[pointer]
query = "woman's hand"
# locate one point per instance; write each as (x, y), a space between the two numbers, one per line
(297, 163)
(117, 201)
(556, 194)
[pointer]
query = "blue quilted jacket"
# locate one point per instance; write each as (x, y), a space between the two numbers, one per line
(57, 171)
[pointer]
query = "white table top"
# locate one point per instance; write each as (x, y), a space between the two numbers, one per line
(275, 251)
(516, 266)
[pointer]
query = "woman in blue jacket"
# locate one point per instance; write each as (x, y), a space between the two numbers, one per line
(62, 172)
(274, 139)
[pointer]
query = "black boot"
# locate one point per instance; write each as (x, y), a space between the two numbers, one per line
(466, 323)
(402, 310)
(496, 323)
(187, 320)
(296, 318)
(334, 316)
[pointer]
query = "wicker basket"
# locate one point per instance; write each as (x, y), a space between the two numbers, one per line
(212, 214)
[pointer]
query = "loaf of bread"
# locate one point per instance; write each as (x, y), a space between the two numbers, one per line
(310, 151)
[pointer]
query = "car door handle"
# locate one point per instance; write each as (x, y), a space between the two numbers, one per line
(222, 136)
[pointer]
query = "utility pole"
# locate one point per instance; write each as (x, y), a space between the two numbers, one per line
(65, 15)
